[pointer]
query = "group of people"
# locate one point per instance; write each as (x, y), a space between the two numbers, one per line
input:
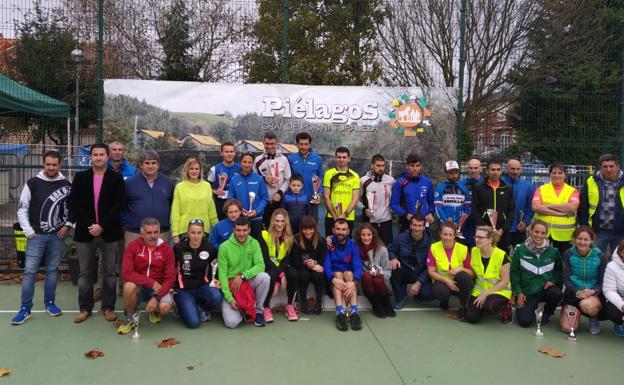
(252, 227)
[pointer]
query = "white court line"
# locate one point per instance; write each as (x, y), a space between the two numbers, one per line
(121, 311)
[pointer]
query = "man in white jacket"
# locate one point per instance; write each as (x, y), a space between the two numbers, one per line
(42, 213)
(376, 187)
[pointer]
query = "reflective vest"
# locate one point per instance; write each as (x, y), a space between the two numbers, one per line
(559, 228)
(281, 254)
(489, 278)
(442, 263)
(593, 195)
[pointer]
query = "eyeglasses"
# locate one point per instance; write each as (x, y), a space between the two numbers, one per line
(480, 237)
(196, 222)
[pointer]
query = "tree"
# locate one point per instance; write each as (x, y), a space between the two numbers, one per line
(424, 53)
(174, 37)
(568, 106)
(329, 42)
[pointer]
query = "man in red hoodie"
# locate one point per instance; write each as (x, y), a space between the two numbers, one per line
(148, 269)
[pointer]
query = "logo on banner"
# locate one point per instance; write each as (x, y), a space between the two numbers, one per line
(409, 116)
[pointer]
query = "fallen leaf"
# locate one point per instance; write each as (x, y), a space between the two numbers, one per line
(167, 342)
(93, 354)
(454, 315)
(551, 352)
(4, 372)
(190, 367)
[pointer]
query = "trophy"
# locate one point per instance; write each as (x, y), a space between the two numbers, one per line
(462, 220)
(539, 313)
(371, 197)
(377, 269)
(316, 184)
(213, 266)
(252, 196)
(339, 208)
(572, 313)
(136, 317)
(493, 216)
(223, 179)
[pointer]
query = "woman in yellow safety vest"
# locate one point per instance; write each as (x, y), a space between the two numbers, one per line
(556, 204)
(449, 268)
(276, 243)
(491, 291)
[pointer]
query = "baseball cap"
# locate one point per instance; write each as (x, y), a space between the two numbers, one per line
(451, 165)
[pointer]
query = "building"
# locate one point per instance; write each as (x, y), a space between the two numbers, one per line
(493, 134)
(202, 142)
(255, 146)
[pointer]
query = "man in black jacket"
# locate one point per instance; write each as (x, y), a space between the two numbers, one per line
(493, 204)
(95, 204)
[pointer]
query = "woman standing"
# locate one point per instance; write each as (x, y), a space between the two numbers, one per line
(583, 271)
(192, 199)
(449, 268)
(613, 288)
(194, 295)
(306, 265)
(275, 244)
(536, 275)
(376, 270)
(225, 228)
(556, 204)
(491, 291)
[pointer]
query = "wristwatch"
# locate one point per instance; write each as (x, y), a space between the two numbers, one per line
(242, 275)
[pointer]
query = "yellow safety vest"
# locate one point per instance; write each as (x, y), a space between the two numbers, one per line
(442, 263)
(593, 195)
(490, 277)
(559, 228)
(282, 249)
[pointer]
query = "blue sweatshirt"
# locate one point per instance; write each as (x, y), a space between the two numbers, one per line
(240, 187)
(218, 169)
(126, 169)
(407, 191)
(523, 196)
(297, 206)
(307, 167)
(343, 258)
(143, 201)
(221, 232)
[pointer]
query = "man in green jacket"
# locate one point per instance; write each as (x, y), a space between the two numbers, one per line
(241, 266)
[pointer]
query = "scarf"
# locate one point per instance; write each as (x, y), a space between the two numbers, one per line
(538, 249)
(364, 251)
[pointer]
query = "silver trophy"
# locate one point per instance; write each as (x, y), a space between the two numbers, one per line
(213, 266)
(252, 196)
(136, 317)
(316, 185)
(539, 313)
(223, 179)
(371, 196)
(571, 313)
(377, 269)
(492, 216)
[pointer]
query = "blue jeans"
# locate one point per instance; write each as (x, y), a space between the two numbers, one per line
(52, 247)
(607, 241)
(187, 300)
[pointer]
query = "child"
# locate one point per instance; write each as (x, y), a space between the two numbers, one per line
(296, 202)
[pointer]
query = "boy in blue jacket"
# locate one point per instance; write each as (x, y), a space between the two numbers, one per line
(296, 202)
(343, 267)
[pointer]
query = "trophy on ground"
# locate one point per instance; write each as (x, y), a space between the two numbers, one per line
(252, 196)
(573, 314)
(223, 178)
(136, 317)
(539, 313)
(213, 266)
(316, 185)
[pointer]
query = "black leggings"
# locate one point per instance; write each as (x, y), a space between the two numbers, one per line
(614, 314)
(494, 304)
(442, 293)
(299, 279)
(274, 273)
(526, 314)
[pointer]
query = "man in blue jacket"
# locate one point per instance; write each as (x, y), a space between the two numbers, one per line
(408, 260)
(412, 194)
(523, 196)
(474, 179)
(249, 188)
(220, 176)
(118, 162)
(309, 165)
(452, 201)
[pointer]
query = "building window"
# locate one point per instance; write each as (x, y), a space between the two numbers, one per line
(505, 141)
(492, 140)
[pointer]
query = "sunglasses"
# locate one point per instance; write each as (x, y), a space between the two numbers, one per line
(196, 222)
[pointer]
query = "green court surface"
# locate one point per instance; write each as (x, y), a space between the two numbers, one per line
(420, 346)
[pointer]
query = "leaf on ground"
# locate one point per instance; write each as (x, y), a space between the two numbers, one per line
(4, 372)
(551, 352)
(167, 342)
(190, 367)
(93, 354)
(454, 315)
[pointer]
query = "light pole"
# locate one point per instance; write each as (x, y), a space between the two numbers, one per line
(77, 57)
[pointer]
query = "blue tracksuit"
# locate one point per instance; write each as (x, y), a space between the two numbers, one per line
(307, 167)
(219, 169)
(240, 187)
(343, 258)
(409, 191)
(221, 232)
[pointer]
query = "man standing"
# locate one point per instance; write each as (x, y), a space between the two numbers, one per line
(250, 190)
(220, 176)
(602, 204)
(341, 191)
(310, 166)
(241, 272)
(42, 214)
(452, 201)
(148, 194)
(149, 275)
(343, 268)
(275, 170)
(523, 191)
(376, 193)
(474, 178)
(118, 162)
(408, 260)
(95, 202)
(412, 194)
(493, 204)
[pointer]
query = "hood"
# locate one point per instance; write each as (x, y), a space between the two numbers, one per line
(41, 175)
(620, 175)
(618, 262)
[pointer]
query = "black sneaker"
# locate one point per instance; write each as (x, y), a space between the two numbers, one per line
(341, 322)
(355, 321)
(259, 321)
(444, 305)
